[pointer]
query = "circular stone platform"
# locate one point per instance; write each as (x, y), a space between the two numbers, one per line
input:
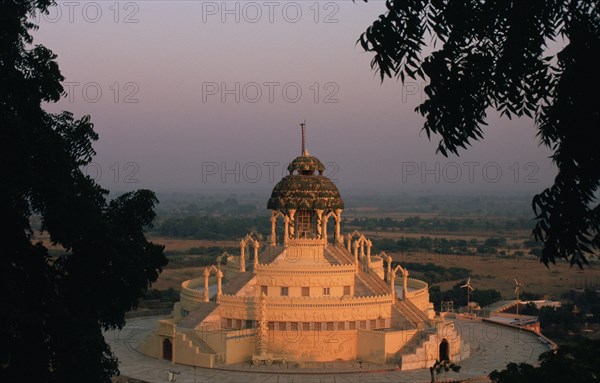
(492, 347)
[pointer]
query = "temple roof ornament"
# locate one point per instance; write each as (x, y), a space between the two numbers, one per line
(306, 163)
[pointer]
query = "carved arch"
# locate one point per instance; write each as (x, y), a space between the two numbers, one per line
(208, 271)
(248, 240)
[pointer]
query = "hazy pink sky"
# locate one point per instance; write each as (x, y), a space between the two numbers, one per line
(162, 68)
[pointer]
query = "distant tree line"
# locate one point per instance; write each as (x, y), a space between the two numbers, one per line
(227, 227)
(441, 245)
(432, 273)
(417, 223)
(212, 227)
(210, 251)
(198, 256)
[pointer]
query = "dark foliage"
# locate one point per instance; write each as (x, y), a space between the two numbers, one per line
(565, 323)
(494, 54)
(570, 363)
(54, 308)
(442, 366)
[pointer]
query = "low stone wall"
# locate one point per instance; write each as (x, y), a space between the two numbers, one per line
(419, 295)
(552, 345)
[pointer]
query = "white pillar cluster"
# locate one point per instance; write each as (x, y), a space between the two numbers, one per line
(322, 218)
(357, 248)
(207, 272)
(248, 240)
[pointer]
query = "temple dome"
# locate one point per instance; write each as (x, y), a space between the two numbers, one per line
(305, 190)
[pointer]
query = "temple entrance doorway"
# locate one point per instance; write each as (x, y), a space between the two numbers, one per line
(167, 349)
(444, 351)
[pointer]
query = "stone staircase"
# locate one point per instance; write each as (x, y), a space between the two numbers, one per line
(340, 253)
(372, 281)
(200, 313)
(268, 255)
(235, 284)
(415, 343)
(194, 340)
(366, 277)
(382, 285)
(419, 313)
(409, 318)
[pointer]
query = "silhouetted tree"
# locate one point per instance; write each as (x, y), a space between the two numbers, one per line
(54, 308)
(579, 362)
(494, 55)
(442, 366)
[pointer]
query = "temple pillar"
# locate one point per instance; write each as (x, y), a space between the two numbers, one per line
(404, 283)
(206, 292)
(286, 229)
(262, 325)
(392, 277)
(292, 213)
(356, 254)
(273, 228)
(362, 250)
(324, 226)
(219, 283)
(338, 219)
(349, 244)
(369, 245)
(242, 256)
(255, 246)
(319, 218)
(389, 267)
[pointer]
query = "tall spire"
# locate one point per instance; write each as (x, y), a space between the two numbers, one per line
(304, 152)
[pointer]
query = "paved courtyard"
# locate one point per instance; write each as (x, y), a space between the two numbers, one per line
(492, 347)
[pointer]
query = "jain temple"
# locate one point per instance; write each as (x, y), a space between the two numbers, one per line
(308, 293)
